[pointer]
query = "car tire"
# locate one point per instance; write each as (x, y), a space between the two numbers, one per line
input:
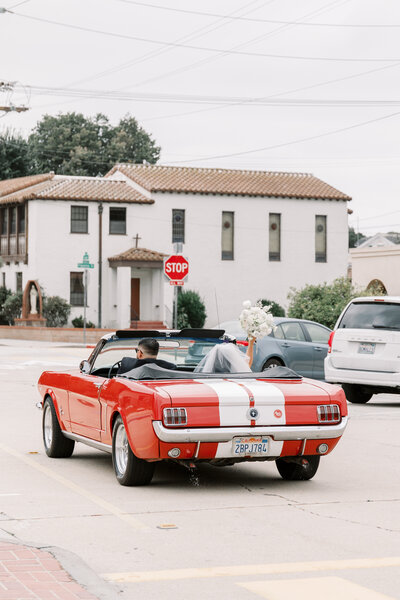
(272, 362)
(356, 394)
(129, 469)
(298, 471)
(55, 443)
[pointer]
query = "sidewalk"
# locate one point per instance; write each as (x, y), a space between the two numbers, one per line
(30, 573)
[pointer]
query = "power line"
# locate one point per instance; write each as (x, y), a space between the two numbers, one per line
(223, 54)
(214, 100)
(202, 48)
(155, 53)
(293, 142)
(260, 20)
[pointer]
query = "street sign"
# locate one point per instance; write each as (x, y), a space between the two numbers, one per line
(176, 268)
(85, 264)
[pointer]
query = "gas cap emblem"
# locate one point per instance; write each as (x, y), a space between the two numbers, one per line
(278, 413)
(253, 414)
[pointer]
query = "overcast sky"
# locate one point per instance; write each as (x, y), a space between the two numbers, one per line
(278, 85)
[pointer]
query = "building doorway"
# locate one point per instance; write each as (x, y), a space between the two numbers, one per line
(135, 299)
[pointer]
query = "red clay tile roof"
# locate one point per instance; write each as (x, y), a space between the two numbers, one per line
(155, 178)
(51, 187)
(9, 186)
(138, 254)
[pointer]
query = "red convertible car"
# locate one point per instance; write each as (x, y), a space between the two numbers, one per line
(151, 413)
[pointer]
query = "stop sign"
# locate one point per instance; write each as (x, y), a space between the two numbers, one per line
(176, 267)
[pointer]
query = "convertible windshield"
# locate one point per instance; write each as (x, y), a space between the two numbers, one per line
(183, 352)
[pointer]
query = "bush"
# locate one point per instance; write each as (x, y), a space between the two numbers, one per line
(191, 310)
(324, 303)
(56, 311)
(12, 307)
(4, 294)
(78, 322)
(276, 309)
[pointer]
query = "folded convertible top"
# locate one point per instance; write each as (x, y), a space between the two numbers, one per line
(151, 371)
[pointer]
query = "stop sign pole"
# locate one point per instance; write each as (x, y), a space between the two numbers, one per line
(176, 268)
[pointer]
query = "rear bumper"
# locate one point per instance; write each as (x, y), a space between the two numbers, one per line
(373, 378)
(226, 434)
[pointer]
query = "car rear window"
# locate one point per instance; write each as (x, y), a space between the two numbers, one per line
(371, 315)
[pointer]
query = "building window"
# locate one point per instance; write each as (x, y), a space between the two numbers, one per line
(320, 238)
(21, 219)
(118, 220)
(178, 226)
(79, 219)
(4, 221)
(18, 281)
(274, 236)
(13, 220)
(227, 235)
(77, 292)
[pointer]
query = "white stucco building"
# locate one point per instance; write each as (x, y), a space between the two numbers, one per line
(246, 234)
(376, 263)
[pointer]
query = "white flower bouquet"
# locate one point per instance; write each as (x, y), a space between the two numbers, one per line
(257, 321)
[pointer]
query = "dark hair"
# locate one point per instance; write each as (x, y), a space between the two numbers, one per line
(150, 346)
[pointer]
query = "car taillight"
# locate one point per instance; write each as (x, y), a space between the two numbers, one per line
(328, 413)
(330, 341)
(242, 343)
(174, 416)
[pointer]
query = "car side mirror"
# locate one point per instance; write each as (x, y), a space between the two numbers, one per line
(84, 366)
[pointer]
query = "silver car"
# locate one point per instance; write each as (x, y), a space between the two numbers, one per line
(296, 343)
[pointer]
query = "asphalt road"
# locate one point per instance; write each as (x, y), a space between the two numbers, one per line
(237, 532)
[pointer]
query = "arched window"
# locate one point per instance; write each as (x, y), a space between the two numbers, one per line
(376, 287)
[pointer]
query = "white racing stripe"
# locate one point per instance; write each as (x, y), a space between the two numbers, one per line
(233, 402)
(268, 399)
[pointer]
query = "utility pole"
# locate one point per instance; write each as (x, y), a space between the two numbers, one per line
(100, 211)
(8, 86)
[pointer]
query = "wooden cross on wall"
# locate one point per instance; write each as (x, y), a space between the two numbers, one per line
(136, 239)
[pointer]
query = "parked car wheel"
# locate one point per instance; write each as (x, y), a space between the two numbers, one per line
(294, 471)
(273, 362)
(55, 443)
(129, 469)
(356, 394)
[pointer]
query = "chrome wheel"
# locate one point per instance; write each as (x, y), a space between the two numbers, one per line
(121, 449)
(55, 444)
(129, 469)
(48, 426)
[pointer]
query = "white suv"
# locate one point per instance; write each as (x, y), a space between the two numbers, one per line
(364, 348)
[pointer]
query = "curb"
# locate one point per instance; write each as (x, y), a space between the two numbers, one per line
(74, 566)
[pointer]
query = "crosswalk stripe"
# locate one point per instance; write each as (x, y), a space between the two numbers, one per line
(328, 588)
(261, 569)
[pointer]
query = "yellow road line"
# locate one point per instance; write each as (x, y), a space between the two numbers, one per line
(328, 588)
(114, 510)
(262, 569)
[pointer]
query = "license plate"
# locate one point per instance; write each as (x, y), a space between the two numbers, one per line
(250, 446)
(366, 348)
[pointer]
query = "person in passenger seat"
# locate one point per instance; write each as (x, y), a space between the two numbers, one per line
(146, 353)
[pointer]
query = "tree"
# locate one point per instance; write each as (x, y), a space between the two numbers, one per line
(276, 309)
(14, 155)
(72, 144)
(4, 294)
(56, 311)
(12, 307)
(354, 237)
(323, 303)
(191, 310)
